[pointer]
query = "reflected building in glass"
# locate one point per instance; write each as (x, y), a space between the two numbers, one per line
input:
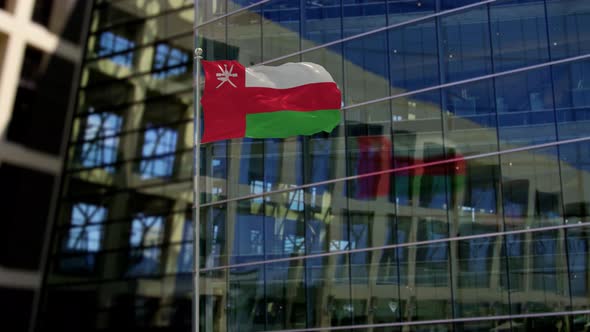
(481, 108)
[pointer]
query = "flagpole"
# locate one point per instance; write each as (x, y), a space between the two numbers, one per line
(196, 190)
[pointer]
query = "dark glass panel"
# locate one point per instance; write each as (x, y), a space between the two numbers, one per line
(569, 28)
(16, 307)
(246, 307)
(328, 288)
(366, 69)
(519, 34)
(487, 325)
(42, 11)
(428, 293)
(210, 9)
(452, 4)
(322, 22)
(571, 84)
(404, 10)
(417, 136)
(215, 169)
(525, 109)
(470, 118)
(41, 102)
(477, 290)
(213, 41)
(413, 57)
(361, 16)
(465, 39)
(138, 32)
(575, 167)
(531, 189)
(538, 276)
(244, 33)
(159, 169)
(369, 150)
(25, 205)
(280, 28)
(578, 258)
(214, 305)
(283, 165)
(475, 193)
(164, 61)
(285, 302)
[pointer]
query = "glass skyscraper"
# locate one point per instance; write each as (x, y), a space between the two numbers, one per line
(477, 114)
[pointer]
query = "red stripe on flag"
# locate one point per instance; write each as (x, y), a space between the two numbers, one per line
(309, 97)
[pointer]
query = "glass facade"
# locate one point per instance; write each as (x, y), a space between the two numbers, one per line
(481, 107)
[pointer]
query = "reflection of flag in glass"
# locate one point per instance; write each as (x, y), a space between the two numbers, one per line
(431, 179)
(374, 155)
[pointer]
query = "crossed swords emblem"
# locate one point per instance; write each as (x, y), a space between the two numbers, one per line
(225, 76)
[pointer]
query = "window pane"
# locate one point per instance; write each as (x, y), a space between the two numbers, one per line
(569, 23)
(519, 34)
(280, 28)
(244, 32)
(413, 57)
(572, 98)
(531, 189)
(365, 69)
(466, 44)
(158, 146)
(362, 16)
(525, 109)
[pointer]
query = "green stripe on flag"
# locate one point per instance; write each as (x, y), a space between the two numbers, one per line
(282, 124)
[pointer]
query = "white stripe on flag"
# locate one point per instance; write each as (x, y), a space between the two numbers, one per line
(288, 75)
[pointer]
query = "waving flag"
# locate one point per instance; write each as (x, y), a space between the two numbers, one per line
(268, 102)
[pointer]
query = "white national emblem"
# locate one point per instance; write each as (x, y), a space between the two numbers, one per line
(225, 75)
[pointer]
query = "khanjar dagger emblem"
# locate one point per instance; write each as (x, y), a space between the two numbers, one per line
(226, 75)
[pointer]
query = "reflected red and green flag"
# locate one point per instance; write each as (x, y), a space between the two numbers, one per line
(375, 155)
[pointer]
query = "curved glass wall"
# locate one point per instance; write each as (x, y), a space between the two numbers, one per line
(479, 107)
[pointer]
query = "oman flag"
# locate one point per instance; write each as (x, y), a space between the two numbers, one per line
(268, 102)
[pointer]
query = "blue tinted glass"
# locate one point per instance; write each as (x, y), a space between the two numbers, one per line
(471, 118)
(476, 253)
(519, 34)
(158, 150)
(525, 108)
(252, 167)
(451, 4)
(569, 27)
(578, 251)
(101, 145)
(572, 98)
(322, 22)
(185, 256)
(169, 61)
(86, 231)
(146, 235)
(84, 237)
(413, 57)
(404, 10)
(362, 15)
(246, 309)
(111, 43)
(431, 270)
(280, 28)
(466, 45)
(366, 69)
(545, 253)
